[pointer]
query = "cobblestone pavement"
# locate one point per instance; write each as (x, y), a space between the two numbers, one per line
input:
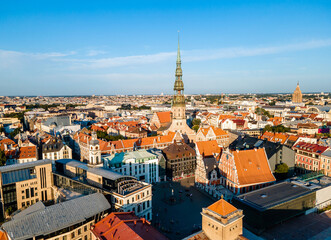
(178, 215)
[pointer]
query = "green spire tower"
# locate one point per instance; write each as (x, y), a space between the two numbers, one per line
(178, 98)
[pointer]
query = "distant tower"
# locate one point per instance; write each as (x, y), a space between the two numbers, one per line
(94, 150)
(297, 95)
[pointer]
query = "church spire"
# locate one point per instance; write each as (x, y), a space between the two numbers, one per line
(179, 85)
(178, 51)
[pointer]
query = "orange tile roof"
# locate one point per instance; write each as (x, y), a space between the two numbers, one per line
(222, 207)
(223, 117)
(204, 130)
(293, 138)
(27, 152)
(208, 148)
(252, 166)
(3, 235)
(280, 137)
(219, 131)
(164, 117)
(6, 141)
(125, 225)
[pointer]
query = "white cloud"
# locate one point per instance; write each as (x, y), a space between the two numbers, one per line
(92, 53)
(11, 57)
(213, 54)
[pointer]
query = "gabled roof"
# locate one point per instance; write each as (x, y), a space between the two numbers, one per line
(219, 132)
(208, 148)
(252, 167)
(164, 117)
(222, 207)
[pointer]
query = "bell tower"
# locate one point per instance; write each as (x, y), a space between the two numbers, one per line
(94, 150)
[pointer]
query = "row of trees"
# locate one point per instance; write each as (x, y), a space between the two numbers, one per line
(104, 135)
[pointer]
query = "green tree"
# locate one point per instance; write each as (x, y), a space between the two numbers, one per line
(267, 128)
(3, 158)
(196, 121)
(195, 128)
(14, 133)
(281, 168)
(104, 135)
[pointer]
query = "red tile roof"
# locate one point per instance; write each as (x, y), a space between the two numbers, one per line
(309, 147)
(125, 225)
(27, 152)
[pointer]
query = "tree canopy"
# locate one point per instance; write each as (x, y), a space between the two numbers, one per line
(278, 128)
(104, 135)
(3, 158)
(262, 111)
(281, 168)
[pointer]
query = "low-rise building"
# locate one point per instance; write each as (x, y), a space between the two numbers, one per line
(308, 156)
(326, 162)
(246, 170)
(125, 193)
(54, 149)
(207, 172)
(180, 161)
(272, 205)
(71, 219)
(24, 184)
(140, 164)
(213, 133)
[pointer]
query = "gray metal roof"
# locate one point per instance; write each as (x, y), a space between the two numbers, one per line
(20, 166)
(327, 153)
(58, 121)
(103, 172)
(55, 217)
(273, 195)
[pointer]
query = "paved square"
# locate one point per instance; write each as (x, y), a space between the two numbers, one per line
(178, 219)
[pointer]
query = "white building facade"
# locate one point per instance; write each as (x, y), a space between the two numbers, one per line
(140, 164)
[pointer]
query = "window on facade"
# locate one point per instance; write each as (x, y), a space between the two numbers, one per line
(27, 193)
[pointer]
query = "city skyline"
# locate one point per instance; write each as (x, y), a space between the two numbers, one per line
(111, 49)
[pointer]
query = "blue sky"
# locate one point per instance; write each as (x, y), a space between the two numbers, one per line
(129, 47)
